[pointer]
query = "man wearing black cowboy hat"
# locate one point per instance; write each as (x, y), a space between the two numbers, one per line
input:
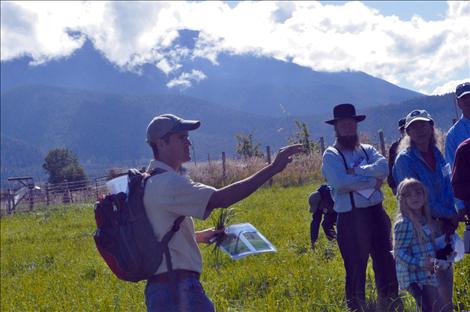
(355, 172)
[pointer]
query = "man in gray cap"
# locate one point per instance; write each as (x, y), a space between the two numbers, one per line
(169, 195)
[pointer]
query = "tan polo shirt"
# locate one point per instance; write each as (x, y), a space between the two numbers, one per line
(167, 196)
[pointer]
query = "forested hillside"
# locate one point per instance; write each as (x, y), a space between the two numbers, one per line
(107, 130)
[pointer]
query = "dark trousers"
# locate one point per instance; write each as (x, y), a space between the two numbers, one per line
(427, 298)
(363, 232)
(328, 225)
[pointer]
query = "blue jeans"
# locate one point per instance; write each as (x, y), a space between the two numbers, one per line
(427, 298)
(190, 296)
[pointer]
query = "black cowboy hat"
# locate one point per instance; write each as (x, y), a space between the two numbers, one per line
(342, 111)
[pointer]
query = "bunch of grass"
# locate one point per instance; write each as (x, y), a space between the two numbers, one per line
(221, 219)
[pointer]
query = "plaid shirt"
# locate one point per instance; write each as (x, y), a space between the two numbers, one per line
(410, 255)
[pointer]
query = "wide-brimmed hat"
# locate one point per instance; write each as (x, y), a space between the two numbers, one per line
(342, 111)
(168, 123)
(418, 114)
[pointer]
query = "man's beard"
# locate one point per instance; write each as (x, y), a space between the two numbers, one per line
(348, 142)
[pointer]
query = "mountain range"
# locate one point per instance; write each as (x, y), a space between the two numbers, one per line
(108, 130)
(248, 83)
(100, 111)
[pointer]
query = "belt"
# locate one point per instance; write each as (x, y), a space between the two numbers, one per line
(177, 274)
(363, 209)
(443, 219)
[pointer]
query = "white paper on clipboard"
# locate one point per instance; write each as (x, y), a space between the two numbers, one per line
(244, 239)
(117, 185)
(367, 193)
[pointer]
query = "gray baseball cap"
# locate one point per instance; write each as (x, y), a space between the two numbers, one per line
(418, 114)
(168, 123)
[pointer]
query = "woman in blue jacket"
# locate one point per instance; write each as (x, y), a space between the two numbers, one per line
(419, 158)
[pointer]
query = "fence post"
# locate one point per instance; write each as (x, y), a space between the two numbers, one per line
(209, 158)
(194, 155)
(65, 194)
(31, 196)
(70, 192)
(96, 188)
(268, 158)
(322, 145)
(223, 167)
(382, 143)
(268, 154)
(10, 201)
(47, 194)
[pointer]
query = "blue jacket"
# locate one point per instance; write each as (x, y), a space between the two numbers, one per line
(456, 135)
(410, 164)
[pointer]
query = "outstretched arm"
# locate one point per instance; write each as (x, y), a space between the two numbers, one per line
(237, 191)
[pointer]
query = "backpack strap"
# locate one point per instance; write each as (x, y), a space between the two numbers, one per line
(166, 251)
(351, 197)
(168, 235)
(150, 174)
(166, 240)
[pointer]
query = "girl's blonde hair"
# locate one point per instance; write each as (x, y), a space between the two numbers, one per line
(404, 210)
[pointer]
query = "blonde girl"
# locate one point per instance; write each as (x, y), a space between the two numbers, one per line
(414, 246)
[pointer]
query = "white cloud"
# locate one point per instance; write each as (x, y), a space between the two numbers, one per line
(38, 31)
(449, 87)
(185, 79)
(417, 53)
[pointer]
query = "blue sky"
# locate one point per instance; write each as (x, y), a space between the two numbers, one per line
(420, 45)
(428, 10)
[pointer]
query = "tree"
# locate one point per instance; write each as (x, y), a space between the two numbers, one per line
(246, 148)
(302, 136)
(62, 164)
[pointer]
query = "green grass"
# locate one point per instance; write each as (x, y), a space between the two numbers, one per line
(49, 263)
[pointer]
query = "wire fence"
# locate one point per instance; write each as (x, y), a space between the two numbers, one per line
(218, 173)
(34, 196)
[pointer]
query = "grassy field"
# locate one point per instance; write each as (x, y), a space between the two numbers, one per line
(49, 263)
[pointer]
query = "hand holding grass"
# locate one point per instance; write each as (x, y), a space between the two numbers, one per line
(208, 236)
